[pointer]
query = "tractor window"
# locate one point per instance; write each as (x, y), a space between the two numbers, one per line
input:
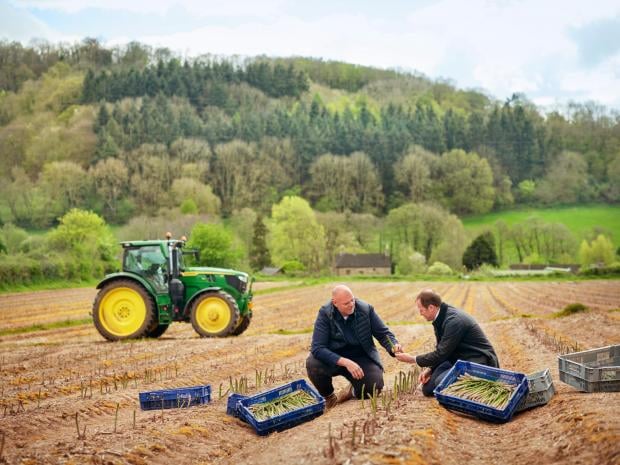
(150, 263)
(180, 260)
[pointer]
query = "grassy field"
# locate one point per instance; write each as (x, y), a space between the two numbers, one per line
(580, 220)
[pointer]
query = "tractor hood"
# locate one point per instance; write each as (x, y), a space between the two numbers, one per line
(233, 278)
(197, 270)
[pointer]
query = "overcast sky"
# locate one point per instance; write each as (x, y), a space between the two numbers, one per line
(553, 51)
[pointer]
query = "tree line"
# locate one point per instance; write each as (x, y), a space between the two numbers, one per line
(131, 130)
(201, 83)
(420, 239)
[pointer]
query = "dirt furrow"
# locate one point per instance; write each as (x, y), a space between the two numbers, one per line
(46, 377)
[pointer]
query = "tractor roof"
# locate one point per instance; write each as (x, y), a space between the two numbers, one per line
(152, 242)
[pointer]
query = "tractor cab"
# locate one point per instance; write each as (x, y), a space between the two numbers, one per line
(150, 262)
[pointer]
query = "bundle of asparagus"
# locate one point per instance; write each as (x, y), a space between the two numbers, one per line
(495, 394)
(287, 403)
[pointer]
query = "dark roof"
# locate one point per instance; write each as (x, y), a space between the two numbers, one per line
(363, 260)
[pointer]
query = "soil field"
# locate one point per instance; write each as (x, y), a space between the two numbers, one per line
(69, 397)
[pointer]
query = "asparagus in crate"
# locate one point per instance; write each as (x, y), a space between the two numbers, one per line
(287, 403)
(492, 393)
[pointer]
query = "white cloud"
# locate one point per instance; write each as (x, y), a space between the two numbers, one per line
(506, 76)
(354, 38)
(601, 84)
(19, 25)
(513, 46)
(201, 8)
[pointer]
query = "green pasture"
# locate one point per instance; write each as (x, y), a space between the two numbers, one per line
(580, 220)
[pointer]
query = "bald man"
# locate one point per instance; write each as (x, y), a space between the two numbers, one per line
(342, 345)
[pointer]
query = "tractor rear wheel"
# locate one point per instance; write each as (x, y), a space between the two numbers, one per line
(123, 309)
(243, 325)
(214, 314)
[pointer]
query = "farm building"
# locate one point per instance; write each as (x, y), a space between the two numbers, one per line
(572, 268)
(367, 264)
(272, 271)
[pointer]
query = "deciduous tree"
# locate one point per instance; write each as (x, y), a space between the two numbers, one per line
(296, 234)
(215, 244)
(413, 174)
(111, 177)
(466, 182)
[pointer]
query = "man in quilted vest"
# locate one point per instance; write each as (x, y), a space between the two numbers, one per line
(342, 345)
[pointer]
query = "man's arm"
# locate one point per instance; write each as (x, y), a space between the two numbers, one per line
(320, 341)
(382, 333)
(454, 329)
(351, 366)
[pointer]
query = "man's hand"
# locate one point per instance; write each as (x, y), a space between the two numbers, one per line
(404, 357)
(353, 368)
(425, 376)
(397, 348)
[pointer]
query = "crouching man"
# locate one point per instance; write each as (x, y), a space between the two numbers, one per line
(458, 337)
(342, 345)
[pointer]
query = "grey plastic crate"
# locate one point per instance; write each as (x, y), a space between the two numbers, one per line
(590, 386)
(540, 381)
(541, 390)
(596, 370)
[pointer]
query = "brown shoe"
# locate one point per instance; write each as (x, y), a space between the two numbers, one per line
(345, 394)
(331, 401)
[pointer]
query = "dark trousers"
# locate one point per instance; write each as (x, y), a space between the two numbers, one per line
(436, 378)
(321, 375)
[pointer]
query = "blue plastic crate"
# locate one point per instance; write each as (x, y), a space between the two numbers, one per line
(477, 409)
(286, 420)
(175, 398)
(232, 406)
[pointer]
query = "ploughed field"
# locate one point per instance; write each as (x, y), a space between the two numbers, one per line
(49, 378)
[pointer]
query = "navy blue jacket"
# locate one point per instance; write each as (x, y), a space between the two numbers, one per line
(328, 336)
(458, 337)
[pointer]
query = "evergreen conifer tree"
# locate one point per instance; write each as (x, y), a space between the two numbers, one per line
(259, 255)
(481, 250)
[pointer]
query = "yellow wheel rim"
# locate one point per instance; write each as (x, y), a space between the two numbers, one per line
(122, 311)
(213, 315)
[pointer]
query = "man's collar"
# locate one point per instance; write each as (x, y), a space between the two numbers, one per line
(442, 310)
(337, 312)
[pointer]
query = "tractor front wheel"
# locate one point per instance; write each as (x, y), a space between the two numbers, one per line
(123, 309)
(214, 314)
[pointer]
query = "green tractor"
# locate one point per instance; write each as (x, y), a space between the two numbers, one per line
(155, 288)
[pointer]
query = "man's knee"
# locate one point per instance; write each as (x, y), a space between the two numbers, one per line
(372, 384)
(316, 367)
(312, 362)
(377, 382)
(428, 388)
